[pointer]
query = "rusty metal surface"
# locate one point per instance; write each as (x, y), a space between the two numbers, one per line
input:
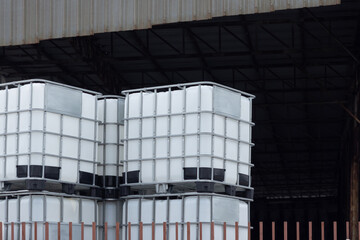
(30, 21)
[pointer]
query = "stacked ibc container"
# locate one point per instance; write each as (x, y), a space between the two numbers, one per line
(48, 158)
(187, 151)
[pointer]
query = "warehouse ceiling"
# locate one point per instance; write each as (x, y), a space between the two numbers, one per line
(300, 64)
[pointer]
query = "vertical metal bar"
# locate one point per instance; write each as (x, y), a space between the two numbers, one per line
(23, 231)
(249, 231)
(297, 231)
(322, 231)
(236, 230)
(273, 230)
(164, 230)
(261, 233)
(12, 231)
(347, 230)
(200, 230)
(58, 231)
(310, 230)
(176, 230)
(141, 231)
(46, 231)
(82, 231)
(212, 231)
(70, 230)
(224, 231)
(153, 231)
(188, 230)
(129, 234)
(285, 231)
(335, 230)
(117, 231)
(106, 231)
(93, 231)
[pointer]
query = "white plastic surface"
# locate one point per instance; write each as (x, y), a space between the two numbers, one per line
(52, 209)
(40, 141)
(196, 209)
(111, 134)
(216, 122)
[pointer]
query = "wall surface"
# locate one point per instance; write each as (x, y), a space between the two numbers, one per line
(30, 21)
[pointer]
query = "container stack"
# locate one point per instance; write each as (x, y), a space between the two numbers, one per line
(48, 157)
(174, 157)
(187, 151)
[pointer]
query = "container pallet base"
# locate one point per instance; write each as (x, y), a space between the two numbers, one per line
(198, 186)
(52, 186)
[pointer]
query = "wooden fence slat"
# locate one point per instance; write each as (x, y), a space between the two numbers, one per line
(164, 230)
(297, 230)
(35, 231)
(129, 230)
(93, 231)
(117, 231)
(59, 231)
(141, 231)
(46, 231)
(23, 231)
(310, 230)
(82, 231)
(261, 231)
(249, 231)
(224, 231)
(285, 231)
(200, 230)
(335, 230)
(70, 230)
(177, 230)
(273, 230)
(153, 231)
(236, 230)
(322, 231)
(106, 230)
(347, 230)
(12, 231)
(188, 230)
(212, 231)
(1, 231)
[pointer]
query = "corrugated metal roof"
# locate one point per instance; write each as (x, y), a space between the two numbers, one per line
(29, 21)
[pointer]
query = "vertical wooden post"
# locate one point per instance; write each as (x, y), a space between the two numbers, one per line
(141, 231)
(70, 230)
(285, 231)
(273, 230)
(35, 231)
(249, 231)
(93, 231)
(261, 231)
(322, 231)
(59, 230)
(236, 230)
(46, 231)
(153, 231)
(177, 230)
(212, 231)
(224, 231)
(310, 230)
(106, 230)
(297, 231)
(82, 231)
(23, 231)
(335, 231)
(129, 230)
(117, 231)
(164, 230)
(347, 230)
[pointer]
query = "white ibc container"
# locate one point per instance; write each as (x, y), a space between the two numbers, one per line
(111, 134)
(45, 207)
(110, 212)
(182, 209)
(197, 131)
(47, 130)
